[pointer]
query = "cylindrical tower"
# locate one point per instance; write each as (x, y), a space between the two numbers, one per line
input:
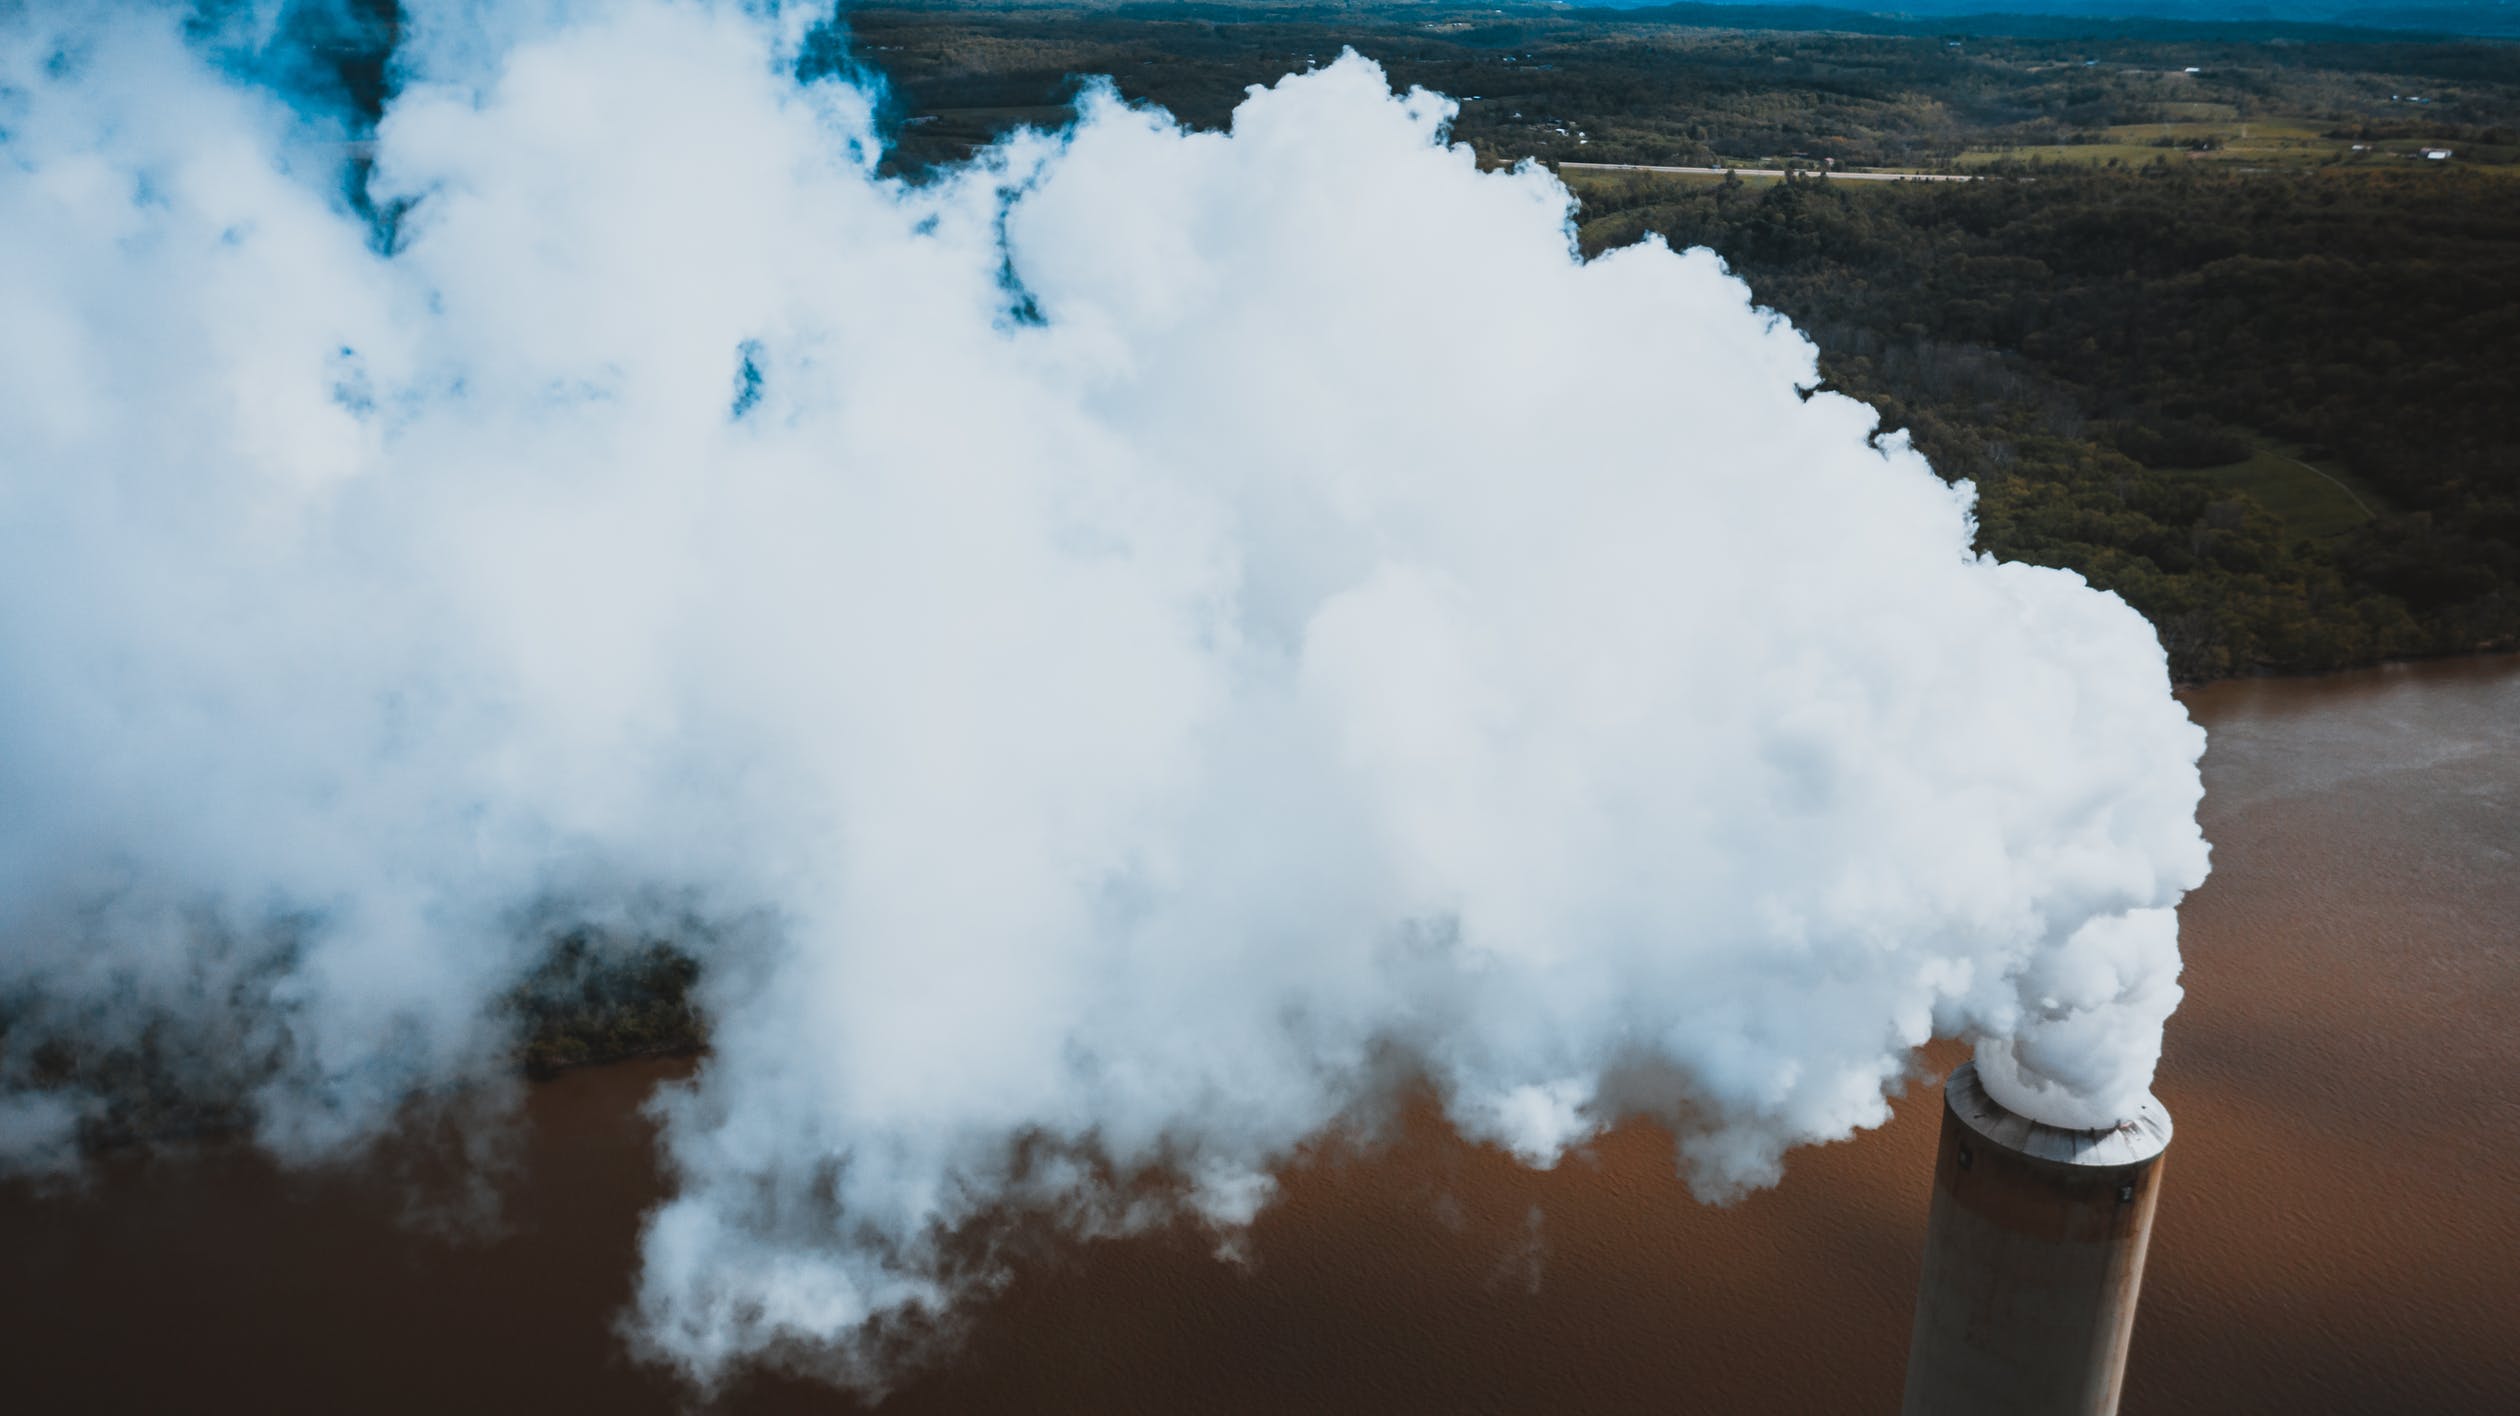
(2033, 1257)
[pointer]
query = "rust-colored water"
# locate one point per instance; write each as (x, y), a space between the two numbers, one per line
(2340, 1230)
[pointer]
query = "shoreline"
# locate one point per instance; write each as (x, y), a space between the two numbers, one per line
(2180, 688)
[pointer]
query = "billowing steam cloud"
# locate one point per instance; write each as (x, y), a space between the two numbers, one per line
(1110, 657)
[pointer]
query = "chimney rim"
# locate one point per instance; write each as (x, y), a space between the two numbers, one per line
(2134, 1141)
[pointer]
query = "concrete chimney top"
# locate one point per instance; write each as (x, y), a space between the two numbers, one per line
(2133, 1141)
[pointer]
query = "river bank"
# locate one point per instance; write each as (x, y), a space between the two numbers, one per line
(2498, 652)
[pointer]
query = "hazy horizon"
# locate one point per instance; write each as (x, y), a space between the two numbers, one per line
(2490, 18)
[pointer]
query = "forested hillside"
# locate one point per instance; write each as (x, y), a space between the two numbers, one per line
(2275, 411)
(1665, 86)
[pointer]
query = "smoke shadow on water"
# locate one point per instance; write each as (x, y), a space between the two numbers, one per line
(1407, 1279)
(2335, 1232)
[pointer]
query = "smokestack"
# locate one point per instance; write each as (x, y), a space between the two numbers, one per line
(2033, 1257)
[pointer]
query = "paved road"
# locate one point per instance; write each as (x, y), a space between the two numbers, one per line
(1773, 172)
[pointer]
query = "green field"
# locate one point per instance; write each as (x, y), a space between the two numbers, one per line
(2228, 130)
(1588, 183)
(2205, 112)
(2135, 144)
(2085, 154)
(1581, 182)
(2313, 501)
(2259, 142)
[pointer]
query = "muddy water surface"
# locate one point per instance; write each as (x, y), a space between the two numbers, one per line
(2340, 1229)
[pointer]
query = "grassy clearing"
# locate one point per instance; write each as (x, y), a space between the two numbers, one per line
(2314, 501)
(1580, 181)
(2203, 112)
(2137, 144)
(2393, 157)
(2195, 132)
(2223, 130)
(2256, 142)
(2082, 154)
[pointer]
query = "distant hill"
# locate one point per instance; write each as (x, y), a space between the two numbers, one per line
(2490, 18)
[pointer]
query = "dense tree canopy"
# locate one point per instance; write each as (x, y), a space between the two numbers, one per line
(2085, 344)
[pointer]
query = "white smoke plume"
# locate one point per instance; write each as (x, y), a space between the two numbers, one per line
(1109, 656)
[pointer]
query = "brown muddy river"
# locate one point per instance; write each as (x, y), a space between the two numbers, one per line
(2339, 1232)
